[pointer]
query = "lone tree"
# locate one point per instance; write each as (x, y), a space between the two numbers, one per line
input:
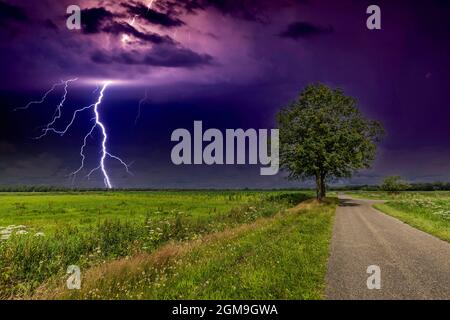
(324, 136)
(394, 184)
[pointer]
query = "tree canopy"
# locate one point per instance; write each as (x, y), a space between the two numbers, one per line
(324, 135)
(394, 184)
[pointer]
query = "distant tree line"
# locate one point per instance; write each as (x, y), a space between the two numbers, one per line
(46, 188)
(42, 188)
(391, 184)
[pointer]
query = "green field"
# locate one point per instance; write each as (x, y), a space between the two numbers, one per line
(42, 234)
(48, 212)
(428, 211)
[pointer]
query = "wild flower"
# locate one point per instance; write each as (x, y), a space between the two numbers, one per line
(5, 236)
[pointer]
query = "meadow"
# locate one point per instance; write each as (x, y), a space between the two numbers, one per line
(221, 236)
(428, 211)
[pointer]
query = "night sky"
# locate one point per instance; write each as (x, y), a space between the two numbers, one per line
(231, 64)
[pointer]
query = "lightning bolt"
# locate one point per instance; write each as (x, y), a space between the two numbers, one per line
(98, 124)
(58, 112)
(126, 37)
(141, 103)
(104, 137)
(44, 97)
(104, 148)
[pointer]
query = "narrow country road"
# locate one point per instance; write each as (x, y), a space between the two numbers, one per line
(414, 264)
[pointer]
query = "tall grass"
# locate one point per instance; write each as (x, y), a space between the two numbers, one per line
(280, 257)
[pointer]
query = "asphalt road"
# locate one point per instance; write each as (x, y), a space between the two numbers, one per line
(413, 264)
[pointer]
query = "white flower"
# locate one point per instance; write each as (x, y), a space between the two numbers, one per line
(5, 237)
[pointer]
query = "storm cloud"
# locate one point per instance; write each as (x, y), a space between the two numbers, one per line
(231, 64)
(9, 12)
(167, 56)
(302, 29)
(148, 14)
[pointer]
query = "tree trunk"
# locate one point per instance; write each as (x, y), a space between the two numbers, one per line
(323, 187)
(318, 187)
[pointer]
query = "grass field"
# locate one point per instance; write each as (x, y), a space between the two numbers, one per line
(222, 236)
(48, 212)
(427, 211)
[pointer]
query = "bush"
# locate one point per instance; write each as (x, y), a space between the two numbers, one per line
(394, 184)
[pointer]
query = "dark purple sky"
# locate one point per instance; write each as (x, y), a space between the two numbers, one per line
(231, 64)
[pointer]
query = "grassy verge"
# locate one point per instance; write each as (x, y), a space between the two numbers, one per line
(428, 211)
(28, 259)
(279, 257)
(418, 217)
(403, 195)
